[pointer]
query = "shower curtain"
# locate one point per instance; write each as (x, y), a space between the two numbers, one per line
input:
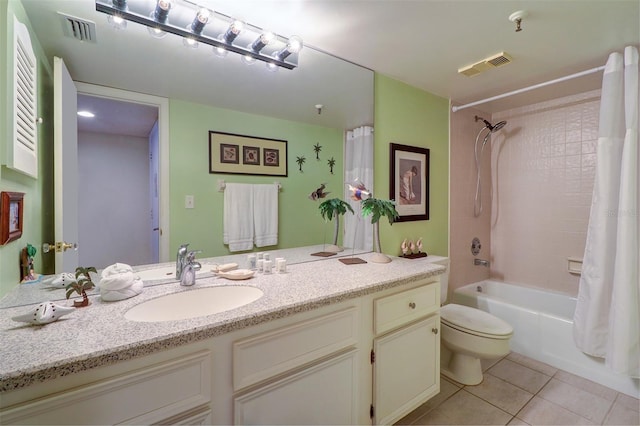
(358, 159)
(607, 316)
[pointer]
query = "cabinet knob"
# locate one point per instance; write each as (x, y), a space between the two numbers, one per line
(434, 330)
(412, 305)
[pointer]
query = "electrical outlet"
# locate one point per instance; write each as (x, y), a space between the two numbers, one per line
(189, 202)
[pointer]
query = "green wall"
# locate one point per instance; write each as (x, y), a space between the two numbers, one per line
(300, 222)
(409, 116)
(38, 201)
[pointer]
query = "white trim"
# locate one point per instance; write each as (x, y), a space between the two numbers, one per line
(163, 141)
(526, 89)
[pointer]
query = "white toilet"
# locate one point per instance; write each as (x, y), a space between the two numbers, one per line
(467, 336)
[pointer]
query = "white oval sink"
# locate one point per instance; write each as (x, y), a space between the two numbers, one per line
(193, 303)
(168, 273)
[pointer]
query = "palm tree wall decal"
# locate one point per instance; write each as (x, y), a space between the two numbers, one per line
(300, 160)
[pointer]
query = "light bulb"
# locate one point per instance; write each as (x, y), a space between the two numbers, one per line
(294, 45)
(264, 39)
(249, 60)
(156, 32)
(190, 42)
(161, 13)
(235, 28)
(201, 19)
(272, 67)
(117, 22)
(220, 52)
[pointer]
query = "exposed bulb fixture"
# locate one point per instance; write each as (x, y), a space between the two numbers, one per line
(235, 28)
(516, 17)
(248, 59)
(197, 24)
(319, 108)
(117, 22)
(87, 114)
(220, 52)
(161, 12)
(262, 41)
(293, 46)
(201, 19)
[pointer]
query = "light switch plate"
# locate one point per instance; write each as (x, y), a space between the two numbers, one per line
(189, 202)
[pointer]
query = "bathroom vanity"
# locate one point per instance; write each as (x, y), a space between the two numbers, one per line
(326, 343)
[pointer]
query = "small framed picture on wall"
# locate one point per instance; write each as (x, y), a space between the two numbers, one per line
(11, 223)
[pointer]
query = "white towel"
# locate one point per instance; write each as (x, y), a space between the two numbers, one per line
(118, 282)
(238, 216)
(265, 214)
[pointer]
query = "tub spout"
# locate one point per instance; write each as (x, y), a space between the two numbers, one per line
(481, 262)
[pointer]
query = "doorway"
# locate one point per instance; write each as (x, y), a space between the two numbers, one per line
(122, 178)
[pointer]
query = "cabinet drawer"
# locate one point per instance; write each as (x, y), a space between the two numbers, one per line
(145, 396)
(401, 308)
(269, 354)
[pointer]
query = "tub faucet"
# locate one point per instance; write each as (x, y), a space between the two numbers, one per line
(181, 260)
(481, 262)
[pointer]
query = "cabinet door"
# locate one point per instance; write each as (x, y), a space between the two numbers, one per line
(406, 369)
(322, 394)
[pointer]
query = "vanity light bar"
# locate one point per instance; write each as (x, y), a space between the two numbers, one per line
(180, 18)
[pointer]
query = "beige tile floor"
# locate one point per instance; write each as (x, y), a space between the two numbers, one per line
(517, 390)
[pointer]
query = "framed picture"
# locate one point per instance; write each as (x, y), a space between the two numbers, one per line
(11, 207)
(247, 155)
(409, 181)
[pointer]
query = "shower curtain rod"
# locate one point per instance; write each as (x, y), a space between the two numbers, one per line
(526, 89)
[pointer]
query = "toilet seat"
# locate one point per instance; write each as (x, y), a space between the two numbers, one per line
(474, 321)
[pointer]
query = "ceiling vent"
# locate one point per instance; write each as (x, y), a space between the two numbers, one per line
(494, 61)
(77, 28)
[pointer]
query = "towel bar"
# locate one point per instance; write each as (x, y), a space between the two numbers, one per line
(222, 184)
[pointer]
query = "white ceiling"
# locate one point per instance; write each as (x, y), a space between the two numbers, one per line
(420, 42)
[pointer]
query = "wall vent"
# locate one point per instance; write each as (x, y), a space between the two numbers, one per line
(77, 28)
(494, 61)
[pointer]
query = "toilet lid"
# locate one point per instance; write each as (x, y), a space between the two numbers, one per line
(474, 321)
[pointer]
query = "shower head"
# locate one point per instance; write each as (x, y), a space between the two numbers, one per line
(492, 128)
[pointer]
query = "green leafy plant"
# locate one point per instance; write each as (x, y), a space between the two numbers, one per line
(81, 285)
(334, 207)
(379, 208)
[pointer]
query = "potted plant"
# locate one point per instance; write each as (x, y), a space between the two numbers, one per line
(377, 209)
(81, 285)
(330, 208)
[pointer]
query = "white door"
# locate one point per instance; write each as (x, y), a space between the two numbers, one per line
(65, 157)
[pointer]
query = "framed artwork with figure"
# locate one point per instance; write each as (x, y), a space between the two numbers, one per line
(409, 181)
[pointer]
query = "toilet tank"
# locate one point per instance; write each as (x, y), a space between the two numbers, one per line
(444, 278)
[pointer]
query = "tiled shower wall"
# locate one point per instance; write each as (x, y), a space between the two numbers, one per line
(464, 225)
(543, 168)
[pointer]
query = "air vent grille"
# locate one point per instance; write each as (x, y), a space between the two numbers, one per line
(77, 28)
(494, 61)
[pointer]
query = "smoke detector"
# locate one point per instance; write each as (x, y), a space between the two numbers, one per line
(494, 61)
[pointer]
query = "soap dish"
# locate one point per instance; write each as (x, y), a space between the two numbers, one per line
(224, 268)
(238, 274)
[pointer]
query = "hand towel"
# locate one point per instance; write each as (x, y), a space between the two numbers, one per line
(265, 214)
(238, 216)
(118, 282)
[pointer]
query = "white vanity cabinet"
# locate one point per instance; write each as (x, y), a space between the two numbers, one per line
(406, 351)
(172, 391)
(311, 367)
(281, 376)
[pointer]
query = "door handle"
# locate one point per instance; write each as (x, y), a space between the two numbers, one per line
(59, 247)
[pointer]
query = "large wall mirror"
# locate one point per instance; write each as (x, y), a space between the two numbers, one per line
(131, 60)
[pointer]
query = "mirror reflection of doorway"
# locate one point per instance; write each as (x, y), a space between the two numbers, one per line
(118, 194)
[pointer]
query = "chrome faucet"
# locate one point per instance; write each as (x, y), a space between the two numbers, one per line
(481, 262)
(188, 277)
(181, 260)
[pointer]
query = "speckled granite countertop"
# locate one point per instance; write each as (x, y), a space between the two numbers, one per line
(100, 335)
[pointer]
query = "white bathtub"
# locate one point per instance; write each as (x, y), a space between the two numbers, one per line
(542, 321)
